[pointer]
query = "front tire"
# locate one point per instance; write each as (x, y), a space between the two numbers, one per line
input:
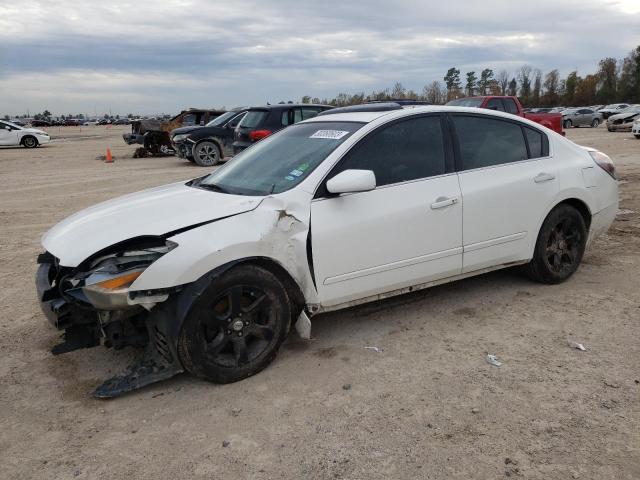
(595, 123)
(568, 124)
(30, 142)
(236, 325)
(560, 246)
(206, 154)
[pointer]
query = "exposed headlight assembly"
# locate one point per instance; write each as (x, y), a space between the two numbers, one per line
(180, 137)
(106, 284)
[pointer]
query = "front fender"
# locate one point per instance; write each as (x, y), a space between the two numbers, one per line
(271, 232)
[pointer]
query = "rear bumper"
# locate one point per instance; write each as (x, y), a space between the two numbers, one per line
(601, 221)
(240, 146)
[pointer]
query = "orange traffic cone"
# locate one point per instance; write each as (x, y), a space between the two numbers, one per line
(109, 157)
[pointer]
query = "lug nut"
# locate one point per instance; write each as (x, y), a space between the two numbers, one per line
(228, 332)
(246, 323)
(239, 334)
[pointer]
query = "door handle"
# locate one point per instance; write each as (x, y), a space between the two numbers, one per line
(442, 202)
(544, 177)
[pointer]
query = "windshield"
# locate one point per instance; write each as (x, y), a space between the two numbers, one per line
(466, 102)
(631, 109)
(278, 163)
(216, 122)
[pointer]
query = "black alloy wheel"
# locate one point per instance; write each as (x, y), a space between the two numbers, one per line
(559, 247)
(236, 326)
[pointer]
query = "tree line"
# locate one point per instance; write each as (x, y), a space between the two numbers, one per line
(616, 80)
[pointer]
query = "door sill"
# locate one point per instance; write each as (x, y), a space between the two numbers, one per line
(315, 308)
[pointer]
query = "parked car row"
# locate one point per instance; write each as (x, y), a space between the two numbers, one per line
(235, 130)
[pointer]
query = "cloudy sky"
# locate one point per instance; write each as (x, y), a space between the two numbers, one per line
(160, 56)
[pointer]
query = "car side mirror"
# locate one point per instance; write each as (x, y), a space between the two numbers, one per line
(351, 181)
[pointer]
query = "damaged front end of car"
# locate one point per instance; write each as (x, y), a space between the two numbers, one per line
(93, 305)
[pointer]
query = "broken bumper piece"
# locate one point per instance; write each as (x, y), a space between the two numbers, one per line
(85, 327)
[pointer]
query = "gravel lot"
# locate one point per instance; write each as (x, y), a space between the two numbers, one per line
(427, 405)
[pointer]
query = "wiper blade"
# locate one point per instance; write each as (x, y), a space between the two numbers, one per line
(214, 187)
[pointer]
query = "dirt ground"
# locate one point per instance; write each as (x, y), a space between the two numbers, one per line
(426, 405)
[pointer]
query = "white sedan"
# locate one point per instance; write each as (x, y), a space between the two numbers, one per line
(345, 208)
(15, 135)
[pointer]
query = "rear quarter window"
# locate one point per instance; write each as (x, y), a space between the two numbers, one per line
(253, 118)
(538, 143)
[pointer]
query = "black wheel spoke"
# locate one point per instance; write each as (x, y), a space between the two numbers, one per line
(256, 304)
(235, 299)
(261, 331)
(215, 346)
(240, 350)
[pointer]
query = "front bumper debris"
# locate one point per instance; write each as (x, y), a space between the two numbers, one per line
(86, 327)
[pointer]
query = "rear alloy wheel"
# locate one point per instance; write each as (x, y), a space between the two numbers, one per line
(206, 154)
(560, 246)
(30, 142)
(236, 326)
(568, 124)
(595, 123)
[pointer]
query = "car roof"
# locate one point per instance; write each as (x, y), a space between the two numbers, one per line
(288, 105)
(367, 117)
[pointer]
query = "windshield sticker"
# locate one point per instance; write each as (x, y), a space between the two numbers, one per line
(330, 134)
(296, 173)
(289, 177)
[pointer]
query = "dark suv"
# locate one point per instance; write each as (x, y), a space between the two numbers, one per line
(260, 122)
(207, 145)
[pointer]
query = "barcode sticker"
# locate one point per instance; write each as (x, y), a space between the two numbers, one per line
(330, 134)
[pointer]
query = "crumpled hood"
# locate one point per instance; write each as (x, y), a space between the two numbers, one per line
(156, 211)
(623, 116)
(183, 130)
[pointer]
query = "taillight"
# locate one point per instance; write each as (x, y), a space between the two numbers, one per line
(256, 135)
(604, 162)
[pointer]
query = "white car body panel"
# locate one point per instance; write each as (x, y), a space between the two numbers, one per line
(347, 265)
(364, 245)
(502, 208)
(155, 211)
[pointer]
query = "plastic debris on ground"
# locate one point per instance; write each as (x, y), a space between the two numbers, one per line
(493, 360)
(375, 349)
(576, 345)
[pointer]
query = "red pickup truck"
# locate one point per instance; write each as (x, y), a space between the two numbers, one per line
(512, 105)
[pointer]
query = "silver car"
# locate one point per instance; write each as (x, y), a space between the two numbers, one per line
(579, 117)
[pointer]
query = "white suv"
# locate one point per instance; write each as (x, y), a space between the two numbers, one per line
(345, 208)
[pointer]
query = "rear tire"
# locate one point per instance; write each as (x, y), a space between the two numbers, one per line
(560, 246)
(568, 124)
(207, 154)
(595, 123)
(29, 141)
(236, 326)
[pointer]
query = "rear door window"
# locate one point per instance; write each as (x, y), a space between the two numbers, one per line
(485, 142)
(407, 150)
